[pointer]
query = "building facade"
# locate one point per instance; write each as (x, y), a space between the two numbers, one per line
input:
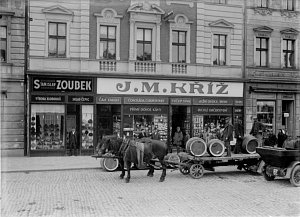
(119, 67)
(273, 62)
(12, 39)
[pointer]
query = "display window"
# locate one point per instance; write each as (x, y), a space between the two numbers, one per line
(135, 124)
(266, 114)
(108, 120)
(87, 127)
(47, 127)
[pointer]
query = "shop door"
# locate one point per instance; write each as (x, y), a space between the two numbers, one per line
(72, 121)
(181, 118)
(287, 116)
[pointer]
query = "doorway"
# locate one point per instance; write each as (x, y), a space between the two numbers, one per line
(181, 116)
(73, 121)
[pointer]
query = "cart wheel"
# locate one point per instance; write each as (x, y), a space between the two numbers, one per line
(267, 176)
(110, 164)
(184, 169)
(196, 171)
(295, 176)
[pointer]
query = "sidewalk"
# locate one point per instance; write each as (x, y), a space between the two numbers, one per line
(29, 164)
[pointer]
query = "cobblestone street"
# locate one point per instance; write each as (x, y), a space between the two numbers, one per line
(94, 192)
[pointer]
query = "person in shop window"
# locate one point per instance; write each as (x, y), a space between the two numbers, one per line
(155, 135)
(239, 135)
(257, 130)
(177, 139)
(142, 134)
(227, 135)
(73, 142)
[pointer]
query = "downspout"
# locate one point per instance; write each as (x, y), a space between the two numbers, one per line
(26, 95)
(244, 63)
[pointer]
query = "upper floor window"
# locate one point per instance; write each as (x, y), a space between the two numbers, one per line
(262, 3)
(219, 49)
(179, 47)
(3, 42)
(144, 44)
(288, 53)
(4, 3)
(57, 39)
(288, 5)
(107, 42)
(219, 1)
(262, 51)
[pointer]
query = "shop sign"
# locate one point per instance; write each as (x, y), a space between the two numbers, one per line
(145, 109)
(81, 99)
(181, 101)
(286, 96)
(108, 100)
(145, 100)
(238, 101)
(62, 84)
(238, 110)
(48, 98)
(211, 110)
(212, 101)
(168, 88)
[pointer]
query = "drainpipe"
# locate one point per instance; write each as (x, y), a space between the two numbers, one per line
(244, 60)
(26, 99)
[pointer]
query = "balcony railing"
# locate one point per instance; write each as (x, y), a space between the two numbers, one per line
(148, 67)
(108, 66)
(178, 68)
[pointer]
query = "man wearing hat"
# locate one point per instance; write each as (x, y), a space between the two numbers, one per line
(227, 135)
(73, 141)
(257, 130)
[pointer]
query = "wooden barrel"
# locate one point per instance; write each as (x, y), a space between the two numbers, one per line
(249, 144)
(196, 146)
(215, 147)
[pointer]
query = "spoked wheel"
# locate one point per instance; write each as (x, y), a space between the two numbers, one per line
(196, 171)
(295, 176)
(267, 176)
(184, 169)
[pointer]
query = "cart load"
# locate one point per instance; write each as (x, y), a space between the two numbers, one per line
(249, 145)
(215, 147)
(196, 146)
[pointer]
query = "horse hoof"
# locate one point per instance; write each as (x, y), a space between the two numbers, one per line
(161, 179)
(150, 174)
(127, 180)
(121, 177)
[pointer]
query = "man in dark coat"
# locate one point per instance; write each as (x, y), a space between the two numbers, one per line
(73, 141)
(228, 135)
(281, 137)
(257, 130)
(238, 134)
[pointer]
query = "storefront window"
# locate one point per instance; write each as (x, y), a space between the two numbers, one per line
(87, 126)
(266, 114)
(47, 127)
(109, 120)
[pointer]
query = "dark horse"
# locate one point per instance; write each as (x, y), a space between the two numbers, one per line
(128, 152)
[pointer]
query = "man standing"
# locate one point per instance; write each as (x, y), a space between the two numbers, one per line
(227, 135)
(177, 139)
(73, 141)
(155, 135)
(257, 130)
(238, 134)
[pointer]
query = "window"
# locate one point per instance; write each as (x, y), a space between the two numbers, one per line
(262, 51)
(262, 3)
(108, 42)
(4, 3)
(288, 5)
(144, 44)
(57, 40)
(219, 50)
(3, 42)
(288, 53)
(221, 1)
(179, 47)
(266, 114)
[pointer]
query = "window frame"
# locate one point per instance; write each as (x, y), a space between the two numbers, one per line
(144, 42)
(6, 44)
(261, 3)
(286, 4)
(286, 51)
(178, 44)
(260, 50)
(57, 37)
(219, 48)
(107, 40)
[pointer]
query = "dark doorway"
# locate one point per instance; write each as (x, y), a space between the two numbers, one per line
(73, 120)
(181, 118)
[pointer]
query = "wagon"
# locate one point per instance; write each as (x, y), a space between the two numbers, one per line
(280, 162)
(108, 161)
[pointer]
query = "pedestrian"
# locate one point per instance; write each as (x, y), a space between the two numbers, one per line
(281, 137)
(73, 141)
(227, 135)
(257, 130)
(155, 135)
(186, 138)
(239, 135)
(177, 139)
(142, 134)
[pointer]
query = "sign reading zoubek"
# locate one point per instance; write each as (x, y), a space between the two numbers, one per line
(168, 88)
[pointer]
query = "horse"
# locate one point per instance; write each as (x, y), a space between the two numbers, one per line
(136, 151)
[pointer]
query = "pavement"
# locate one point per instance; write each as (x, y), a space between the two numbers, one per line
(30, 164)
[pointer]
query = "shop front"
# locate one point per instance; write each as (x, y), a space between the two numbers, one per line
(130, 106)
(58, 104)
